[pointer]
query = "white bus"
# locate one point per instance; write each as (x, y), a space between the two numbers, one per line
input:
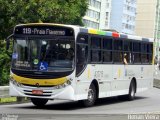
(55, 61)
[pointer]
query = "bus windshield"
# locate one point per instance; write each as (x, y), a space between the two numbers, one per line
(43, 54)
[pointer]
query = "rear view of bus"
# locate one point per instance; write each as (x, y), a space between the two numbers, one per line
(42, 62)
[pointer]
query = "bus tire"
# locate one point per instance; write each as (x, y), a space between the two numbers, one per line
(132, 91)
(39, 102)
(91, 97)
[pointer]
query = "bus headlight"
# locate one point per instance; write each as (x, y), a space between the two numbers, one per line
(68, 82)
(15, 82)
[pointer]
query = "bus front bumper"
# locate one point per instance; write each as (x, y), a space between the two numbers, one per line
(66, 93)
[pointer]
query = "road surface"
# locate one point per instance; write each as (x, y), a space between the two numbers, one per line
(110, 108)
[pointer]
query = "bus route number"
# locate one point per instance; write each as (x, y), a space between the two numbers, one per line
(27, 31)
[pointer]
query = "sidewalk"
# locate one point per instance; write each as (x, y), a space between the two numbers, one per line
(4, 91)
(5, 98)
(156, 82)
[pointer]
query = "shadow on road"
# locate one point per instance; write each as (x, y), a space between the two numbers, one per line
(76, 105)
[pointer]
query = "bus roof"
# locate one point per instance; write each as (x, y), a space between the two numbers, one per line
(95, 31)
(115, 34)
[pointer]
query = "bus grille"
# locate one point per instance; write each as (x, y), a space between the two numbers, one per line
(45, 93)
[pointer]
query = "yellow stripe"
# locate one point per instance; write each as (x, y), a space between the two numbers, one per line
(45, 82)
(93, 31)
(89, 73)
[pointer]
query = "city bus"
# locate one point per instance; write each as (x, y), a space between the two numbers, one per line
(69, 62)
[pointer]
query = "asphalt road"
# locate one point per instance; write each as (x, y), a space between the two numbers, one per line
(110, 108)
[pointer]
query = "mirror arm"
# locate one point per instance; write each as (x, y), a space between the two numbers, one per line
(8, 41)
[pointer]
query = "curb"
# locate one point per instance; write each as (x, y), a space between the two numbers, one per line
(156, 83)
(4, 88)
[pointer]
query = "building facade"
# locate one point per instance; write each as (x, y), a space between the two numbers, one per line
(111, 14)
(148, 21)
(98, 14)
(123, 15)
(146, 18)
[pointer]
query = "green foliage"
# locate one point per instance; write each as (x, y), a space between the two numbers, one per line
(4, 63)
(13, 12)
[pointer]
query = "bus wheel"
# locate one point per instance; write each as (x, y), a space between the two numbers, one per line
(91, 97)
(39, 102)
(132, 91)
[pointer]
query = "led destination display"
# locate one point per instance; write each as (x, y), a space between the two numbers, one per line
(44, 30)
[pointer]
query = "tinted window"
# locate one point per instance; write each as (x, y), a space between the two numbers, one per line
(118, 57)
(107, 56)
(107, 43)
(136, 46)
(127, 45)
(117, 44)
(145, 58)
(95, 55)
(150, 48)
(82, 56)
(137, 57)
(96, 42)
(144, 48)
(82, 39)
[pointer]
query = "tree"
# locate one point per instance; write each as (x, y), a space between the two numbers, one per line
(4, 63)
(13, 12)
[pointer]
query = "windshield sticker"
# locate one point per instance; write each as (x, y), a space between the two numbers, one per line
(14, 55)
(22, 64)
(43, 66)
(36, 61)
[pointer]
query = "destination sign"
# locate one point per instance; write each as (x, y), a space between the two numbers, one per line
(44, 30)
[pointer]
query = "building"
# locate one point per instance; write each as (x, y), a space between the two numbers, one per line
(123, 15)
(95, 15)
(111, 14)
(148, 20)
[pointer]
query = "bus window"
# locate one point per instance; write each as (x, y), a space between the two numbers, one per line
(136, 52)
(137, 57)
(127, 48)
(82, 55)
(118, 57)
(150, 52)
(95, 49)
(107, 43)
(107, 49)
(107, 56)
(95, 55)
(144, 56)
(96, 42)
(118, 44)
(117, 54)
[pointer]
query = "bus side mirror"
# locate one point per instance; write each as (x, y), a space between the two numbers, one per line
(8, 41)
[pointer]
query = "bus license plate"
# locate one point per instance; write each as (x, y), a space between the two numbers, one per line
(37, 92)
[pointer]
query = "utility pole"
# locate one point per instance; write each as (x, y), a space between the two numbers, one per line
(157, 32)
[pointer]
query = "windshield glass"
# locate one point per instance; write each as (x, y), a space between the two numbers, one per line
(43, 55)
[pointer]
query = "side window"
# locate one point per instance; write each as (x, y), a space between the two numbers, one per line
(81, 53)
(95, 49)
(150, 52)
(117, 53)
(136, 52)
(127, 48)
(144, 55)
(107, 49)
(82, 38)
